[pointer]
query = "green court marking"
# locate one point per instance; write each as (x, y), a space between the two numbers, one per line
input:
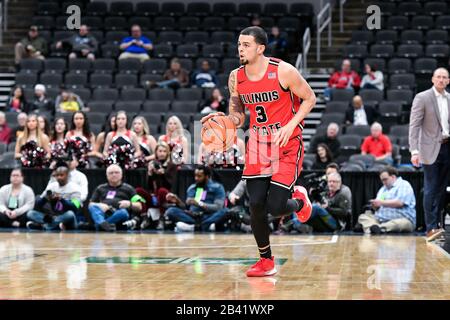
(180, 260)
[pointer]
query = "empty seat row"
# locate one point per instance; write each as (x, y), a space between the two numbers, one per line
(403, 50)
(434, 36)
(394, 65)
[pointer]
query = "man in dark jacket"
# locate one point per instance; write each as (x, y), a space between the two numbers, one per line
(83, 44)
(330, 139)
(331, 215)
(32, 46)
(359, 114)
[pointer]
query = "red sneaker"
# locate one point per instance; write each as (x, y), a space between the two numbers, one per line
(264, 267)
(304, 213)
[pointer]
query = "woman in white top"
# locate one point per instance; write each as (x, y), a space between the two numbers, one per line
(373, 78)
(121, 136)
(176, 139)
(16, 199)
(146, 141)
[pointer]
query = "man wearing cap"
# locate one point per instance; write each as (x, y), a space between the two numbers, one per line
(32, 46)
(41, 103)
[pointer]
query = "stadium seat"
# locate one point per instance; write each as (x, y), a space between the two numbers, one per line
(97, 8)
(362, 131)
(399, 65)
(125, 80)
(198, 9)
(147, 9)
(212, 24)
(336, 107)
(422, 23)
(121, 8)
(189, 24)
(162, 106)
(397, 23)
(327, 118)
(104, 65)
(436, 37)
(173, 9)
(134, 94)
(161, 94)
(115, 23)
(196, 37)
(170, 37)
(101, 80)
(80, 65)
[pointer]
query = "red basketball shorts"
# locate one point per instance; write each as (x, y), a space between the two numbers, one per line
(283, 165)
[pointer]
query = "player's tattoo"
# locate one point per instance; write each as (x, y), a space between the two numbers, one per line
(236, 107)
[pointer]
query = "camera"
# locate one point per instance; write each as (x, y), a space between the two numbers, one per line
(157, 165)
(49, 194)
(317, 186)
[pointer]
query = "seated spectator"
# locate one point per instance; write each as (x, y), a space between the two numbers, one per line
(344, 79)
(32, 46)
(176, 140)
(137, 46)
(332, 213)
(334, 168)
(378, 145)
(161, 177)
(30, 142)
(112, 202)
(330, 139)
(44, 125)
(18, 130)
(175, 77)
(16, 199)
(68, 102)
(40, 102)
(5, 130)
(17, 101)
(216, 103)
(205, 77)
(394, 206)
(360, 115)
(277, 43)
(324, 157)
(373, 79)
(204, 207)
(58, 205)
(83, 45)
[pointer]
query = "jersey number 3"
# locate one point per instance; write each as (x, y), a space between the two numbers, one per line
(261, 115)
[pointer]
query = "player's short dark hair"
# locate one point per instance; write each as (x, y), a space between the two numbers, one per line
(257, 32)
(390, 171)
(206, 170)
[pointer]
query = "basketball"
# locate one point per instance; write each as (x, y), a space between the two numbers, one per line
(218, 134)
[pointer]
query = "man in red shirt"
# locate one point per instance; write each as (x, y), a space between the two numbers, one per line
(345, 79)
(377, 144)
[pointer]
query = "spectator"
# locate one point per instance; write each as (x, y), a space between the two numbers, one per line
(345, 79)
(108, 126)
(204, 78)
(332, 213)
(176, 140)
(83, 45)
(68, 102)
(175, 77)
(378, 145)
(17, 101)
(277, 43)
(5, 130)
(161, 177)
(146, 141)
(330, 139)
(324, 157)
(373, 79)
(44, 125)
(256, 21)
(80, 139)
(395, 206)
(32, 46)
(57, 141)
(137, 46)
(57, 206)
(216, 103)
(204, 207)
(122, 136)
(112, 202)
(360, 115)
(32, 133)
(41, 103)
(20, 128)
(334, 168)
(16, 199)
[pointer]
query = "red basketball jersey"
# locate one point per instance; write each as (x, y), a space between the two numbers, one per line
(271, 106)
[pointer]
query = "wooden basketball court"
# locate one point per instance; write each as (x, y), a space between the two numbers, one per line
(172, 266)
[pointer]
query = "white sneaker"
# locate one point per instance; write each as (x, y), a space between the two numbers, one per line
(212, 227)
(181, 226)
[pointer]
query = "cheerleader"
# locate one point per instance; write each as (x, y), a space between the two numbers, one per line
(108, 126)
(146, 141)
(57, 140)
(33, 147)
(176, 139)
(80, 139)
(44, 125)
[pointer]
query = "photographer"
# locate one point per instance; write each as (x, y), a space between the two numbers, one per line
(330, 213)
(204, 204)
(58, 204)
(161, 176)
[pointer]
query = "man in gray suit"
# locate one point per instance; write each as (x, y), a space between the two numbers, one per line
(429, 144)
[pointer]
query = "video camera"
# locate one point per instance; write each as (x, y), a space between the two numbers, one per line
(316, 184)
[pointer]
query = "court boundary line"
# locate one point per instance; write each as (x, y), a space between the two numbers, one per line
(444, 253)
(334, 239)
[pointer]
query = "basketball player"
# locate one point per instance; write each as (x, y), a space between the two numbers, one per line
(271, 90)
